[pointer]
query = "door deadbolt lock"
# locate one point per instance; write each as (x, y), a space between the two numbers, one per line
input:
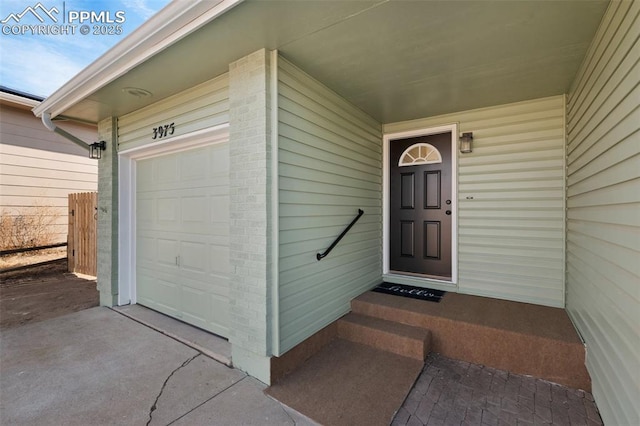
(448, 201)
(448, 212)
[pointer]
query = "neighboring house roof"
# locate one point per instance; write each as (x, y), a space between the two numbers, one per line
(18, 99)
(38, 169)
(378, 55)
(27, 131)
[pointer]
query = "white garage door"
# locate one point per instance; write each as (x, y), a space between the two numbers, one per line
(182, 236)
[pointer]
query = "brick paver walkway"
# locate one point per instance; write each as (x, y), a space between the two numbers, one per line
(450, 392)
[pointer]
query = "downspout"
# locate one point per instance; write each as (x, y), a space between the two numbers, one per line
(46, 120)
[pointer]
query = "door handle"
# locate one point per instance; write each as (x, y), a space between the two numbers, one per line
(448, 212)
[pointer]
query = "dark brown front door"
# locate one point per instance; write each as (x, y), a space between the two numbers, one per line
(420, 208)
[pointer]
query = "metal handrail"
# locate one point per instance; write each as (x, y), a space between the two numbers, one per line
(321, 256)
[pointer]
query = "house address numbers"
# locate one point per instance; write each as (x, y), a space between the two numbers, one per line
(163, 131)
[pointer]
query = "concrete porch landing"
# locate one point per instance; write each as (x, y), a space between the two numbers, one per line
(517, 337)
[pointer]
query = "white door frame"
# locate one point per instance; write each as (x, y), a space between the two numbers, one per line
(453, 128)
(127, 163)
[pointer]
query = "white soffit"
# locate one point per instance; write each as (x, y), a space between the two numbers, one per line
(173, 22)
(395, 60)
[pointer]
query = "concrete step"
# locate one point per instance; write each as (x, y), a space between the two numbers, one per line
(522, 338)
(400, 339)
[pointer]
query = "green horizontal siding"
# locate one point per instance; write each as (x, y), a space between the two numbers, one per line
(603, 200)
(203, 106)
(510, 200)
(329, 166)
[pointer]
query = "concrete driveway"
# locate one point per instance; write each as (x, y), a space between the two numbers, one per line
(98, 367)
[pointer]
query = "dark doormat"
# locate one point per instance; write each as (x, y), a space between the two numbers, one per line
(410, 291)
(349, 384)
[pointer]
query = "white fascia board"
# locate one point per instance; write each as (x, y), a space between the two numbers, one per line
(175, 21)
(19, 101)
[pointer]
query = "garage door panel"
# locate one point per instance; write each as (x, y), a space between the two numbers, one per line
(219, 313)
(221, 291)
(219, 208)
(195, 302)
(222, 183)
(182, 227)
(195, 229)
(164, 292)
(144, 214)
(144, 174)
(146, 249)
(198, 189)
(165, 169)
(168, 212)
(167, 252)
(167, 294)
(194, 166)
(219, 261)
(220, 233)
(194, 210)
(158, 271)
(197, 281)
(195, 237)
(193, 256)
(218, 159)
(157, 234)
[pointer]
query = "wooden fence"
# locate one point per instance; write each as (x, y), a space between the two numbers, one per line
(82, 234)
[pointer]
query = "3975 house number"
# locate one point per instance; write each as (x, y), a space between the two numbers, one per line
(163, 131)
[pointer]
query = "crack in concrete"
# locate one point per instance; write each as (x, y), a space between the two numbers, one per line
(164, 385)
(287, 413)
(207, 400)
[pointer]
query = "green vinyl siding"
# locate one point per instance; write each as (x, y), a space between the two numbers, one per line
(603, 200)
(203, 106)
(329, 166)
(510, 200)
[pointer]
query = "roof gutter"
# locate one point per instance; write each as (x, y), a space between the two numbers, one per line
(46, 120)
(171, 24)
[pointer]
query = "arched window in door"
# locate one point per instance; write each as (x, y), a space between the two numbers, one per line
(418, 154)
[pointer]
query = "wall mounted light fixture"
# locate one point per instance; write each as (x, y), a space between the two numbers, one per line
(96, 148)
(466, 143)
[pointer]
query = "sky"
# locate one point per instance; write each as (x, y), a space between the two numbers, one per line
(37, 57)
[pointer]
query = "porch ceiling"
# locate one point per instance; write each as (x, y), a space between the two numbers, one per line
(396, 60)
